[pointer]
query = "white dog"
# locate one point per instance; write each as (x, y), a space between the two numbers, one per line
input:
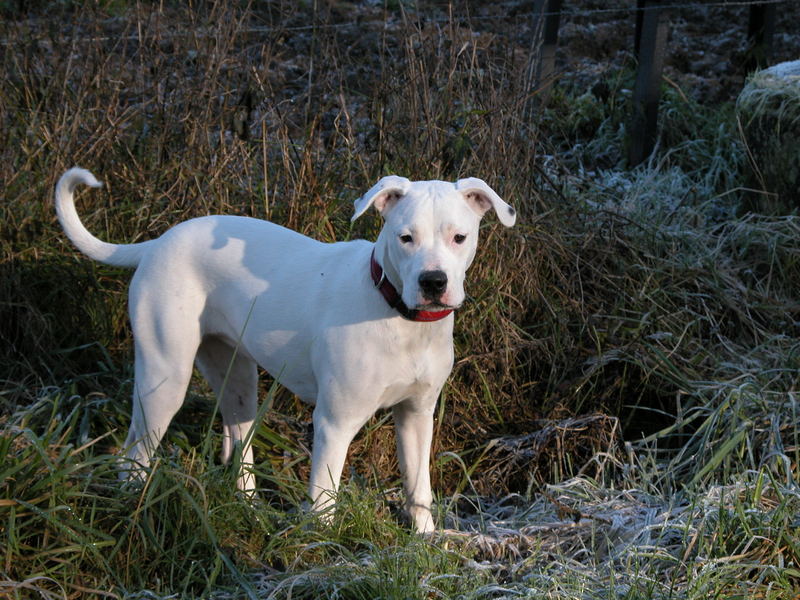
(350, 327)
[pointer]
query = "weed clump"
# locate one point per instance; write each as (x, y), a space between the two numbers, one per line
(769, 118)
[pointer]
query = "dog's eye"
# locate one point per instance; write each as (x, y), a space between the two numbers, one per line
(459, 238)
(406, 238)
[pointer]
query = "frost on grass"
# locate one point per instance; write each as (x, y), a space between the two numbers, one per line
(622, 540)
(578, 539)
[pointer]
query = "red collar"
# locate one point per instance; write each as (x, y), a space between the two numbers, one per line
(389, 292)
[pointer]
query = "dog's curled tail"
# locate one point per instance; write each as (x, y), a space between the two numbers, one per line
(118, 255)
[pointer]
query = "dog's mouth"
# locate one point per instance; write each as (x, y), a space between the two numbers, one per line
(436, 306)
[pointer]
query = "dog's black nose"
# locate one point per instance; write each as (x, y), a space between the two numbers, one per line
(432, 284)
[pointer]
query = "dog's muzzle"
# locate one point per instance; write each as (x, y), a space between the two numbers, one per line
(436, 280)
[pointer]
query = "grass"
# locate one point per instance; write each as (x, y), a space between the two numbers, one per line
(185, 531)
(622, 418)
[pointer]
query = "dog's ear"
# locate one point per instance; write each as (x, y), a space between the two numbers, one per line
(383, 195)
(481, 198)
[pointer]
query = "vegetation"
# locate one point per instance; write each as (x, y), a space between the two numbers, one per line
(622, 420)
(768, 117)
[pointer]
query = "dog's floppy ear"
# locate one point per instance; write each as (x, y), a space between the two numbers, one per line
(481, 198)
(383, 195)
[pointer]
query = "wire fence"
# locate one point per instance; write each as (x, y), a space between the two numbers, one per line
(565, 12)
(581, 12)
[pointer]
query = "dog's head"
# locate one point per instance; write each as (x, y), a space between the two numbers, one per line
(430, 234)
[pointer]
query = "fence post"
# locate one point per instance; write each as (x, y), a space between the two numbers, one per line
(547, 14)
(651, 40)
(547, 66)
(760, 31)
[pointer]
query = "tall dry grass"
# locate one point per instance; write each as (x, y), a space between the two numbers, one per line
(634, 330)
(615, 290)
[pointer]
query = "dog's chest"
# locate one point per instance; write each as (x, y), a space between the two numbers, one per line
(418, 372)
(400, 390)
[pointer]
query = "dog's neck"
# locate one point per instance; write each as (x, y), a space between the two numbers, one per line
(395, 301)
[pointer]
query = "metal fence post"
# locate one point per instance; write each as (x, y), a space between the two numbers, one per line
(760, 31)
(652, 43)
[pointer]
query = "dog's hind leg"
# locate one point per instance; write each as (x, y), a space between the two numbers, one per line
(166, 337)
(162, 375)
(234, 379)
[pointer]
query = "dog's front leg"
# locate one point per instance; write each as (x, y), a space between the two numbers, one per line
(333, 433)
(414, 428)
